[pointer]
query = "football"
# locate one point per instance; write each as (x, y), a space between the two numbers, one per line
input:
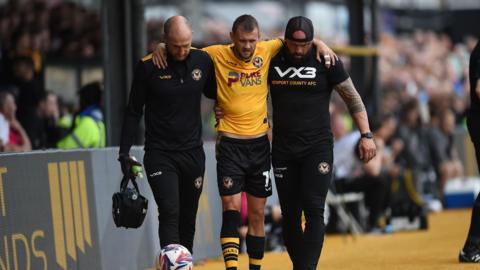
(174, 257)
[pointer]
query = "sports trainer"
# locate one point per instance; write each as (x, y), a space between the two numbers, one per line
(243, 148)
(471, 249)
(174, 158)
(302, 148)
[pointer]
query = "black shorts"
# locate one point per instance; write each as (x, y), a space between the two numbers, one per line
(244, 165)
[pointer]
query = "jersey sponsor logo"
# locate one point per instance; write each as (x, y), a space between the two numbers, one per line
(165, 77)
(258, 61)
(198, 182)
(245, 79)
(232, 77)
(324, 167)
(196, 74)
(301, 72)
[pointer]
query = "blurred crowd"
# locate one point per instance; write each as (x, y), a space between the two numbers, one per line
(57, 28)
(425, 95)
(31, 117)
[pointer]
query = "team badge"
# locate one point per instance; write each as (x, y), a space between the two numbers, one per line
(324, 168)
(196, 74)
(227, 182)
(198, 182)
(258, 61)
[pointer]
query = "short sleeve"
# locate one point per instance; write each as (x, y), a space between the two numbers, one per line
(273, 46)
(337, 74)
(210, 89)
(212, 50)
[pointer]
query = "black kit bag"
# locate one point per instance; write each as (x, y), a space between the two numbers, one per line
(129, 207)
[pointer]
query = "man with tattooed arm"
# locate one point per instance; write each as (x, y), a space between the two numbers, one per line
(302, 149)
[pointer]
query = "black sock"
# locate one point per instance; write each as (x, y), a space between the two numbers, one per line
(229, 238)
(255, 250)
(473, 238)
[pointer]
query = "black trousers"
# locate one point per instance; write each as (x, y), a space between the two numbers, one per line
(474, 131)
(176, 180)
(302, 185)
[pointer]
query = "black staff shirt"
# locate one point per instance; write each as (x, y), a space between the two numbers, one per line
(300, 96)
(171, 99)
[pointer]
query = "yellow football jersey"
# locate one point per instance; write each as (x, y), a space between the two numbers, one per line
(242, 87)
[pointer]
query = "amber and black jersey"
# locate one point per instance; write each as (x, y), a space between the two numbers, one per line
(171, 98)
(242, 87)
(300, 97)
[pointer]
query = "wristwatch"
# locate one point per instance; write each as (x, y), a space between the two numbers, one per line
(367, 135)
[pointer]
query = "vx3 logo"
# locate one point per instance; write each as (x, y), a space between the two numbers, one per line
(301, 72)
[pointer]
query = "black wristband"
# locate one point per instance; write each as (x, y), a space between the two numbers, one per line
(367, 135)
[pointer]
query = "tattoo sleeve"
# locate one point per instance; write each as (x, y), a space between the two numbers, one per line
(350, 96)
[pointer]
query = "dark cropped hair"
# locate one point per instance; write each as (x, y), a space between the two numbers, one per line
(410, 105)
(377, 121)
(90, 94)
(247, 22)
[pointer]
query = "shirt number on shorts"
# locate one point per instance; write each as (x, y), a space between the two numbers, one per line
(267, 178)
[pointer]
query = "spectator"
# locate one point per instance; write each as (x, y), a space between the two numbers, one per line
(4, 131)
(88, 128)
(444, 154)
(29, 95)
(17, 138)
(48, 130)
(417, 176)
(393, 146)
(352, 175)
(415, 156)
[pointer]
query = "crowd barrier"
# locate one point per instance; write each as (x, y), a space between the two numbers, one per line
(55, 213)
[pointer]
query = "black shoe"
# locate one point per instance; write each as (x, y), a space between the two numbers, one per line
(470, 254)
